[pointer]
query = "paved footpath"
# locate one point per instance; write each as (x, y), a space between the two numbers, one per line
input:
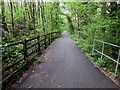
(66, 67)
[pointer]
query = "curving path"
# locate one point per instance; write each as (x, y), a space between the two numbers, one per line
(66, 67)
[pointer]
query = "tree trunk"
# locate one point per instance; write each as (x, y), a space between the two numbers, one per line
(43, 17)
(104, 9)
(12, 17)
(78, 21)
(38, 12)
(33, 18)
(71, 25)
(4, 25)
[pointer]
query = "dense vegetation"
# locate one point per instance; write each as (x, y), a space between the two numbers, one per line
(94, 20)
(22, 20)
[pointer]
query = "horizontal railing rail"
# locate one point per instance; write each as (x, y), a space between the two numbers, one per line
(107, 43)
(30, 48)
(103, 54)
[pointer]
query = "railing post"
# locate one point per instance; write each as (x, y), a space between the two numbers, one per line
(49, 38)
(25, 50)
(93, 46)
(57, 35)
(117, 63)
(45, 41)
(39, 51)
(102, 51)
(54, 36)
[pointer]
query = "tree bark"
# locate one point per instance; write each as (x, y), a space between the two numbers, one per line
(43, 17)
(12, 17)
(71, 25)
(4, 25)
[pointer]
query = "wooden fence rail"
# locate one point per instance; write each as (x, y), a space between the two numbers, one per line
(21, 62)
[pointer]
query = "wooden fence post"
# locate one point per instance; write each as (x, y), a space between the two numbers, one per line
(45, 41)
(25, 51)
(49, 38)
(53, 36)
(39, 51)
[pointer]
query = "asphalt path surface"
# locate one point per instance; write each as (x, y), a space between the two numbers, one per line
(66, 67)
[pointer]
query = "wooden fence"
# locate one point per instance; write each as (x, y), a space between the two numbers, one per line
(18, 56)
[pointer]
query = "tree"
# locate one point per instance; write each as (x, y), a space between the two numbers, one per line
(12, 17)
(4, 25)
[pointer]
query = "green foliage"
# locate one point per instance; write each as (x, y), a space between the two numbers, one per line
(96, 21)
(29, 19)
(100, 62)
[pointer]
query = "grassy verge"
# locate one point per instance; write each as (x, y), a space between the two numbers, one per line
(105, 65)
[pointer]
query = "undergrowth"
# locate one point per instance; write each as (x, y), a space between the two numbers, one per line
(105, 63)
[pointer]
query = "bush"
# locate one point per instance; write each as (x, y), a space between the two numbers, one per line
(100, 62)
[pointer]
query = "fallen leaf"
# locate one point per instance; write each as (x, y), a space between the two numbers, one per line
(30, 87)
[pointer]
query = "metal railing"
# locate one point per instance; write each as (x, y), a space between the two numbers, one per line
(102, 53)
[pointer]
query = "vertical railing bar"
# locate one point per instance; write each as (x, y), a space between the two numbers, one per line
(93, 46)
(117, 62)
(102, 51)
